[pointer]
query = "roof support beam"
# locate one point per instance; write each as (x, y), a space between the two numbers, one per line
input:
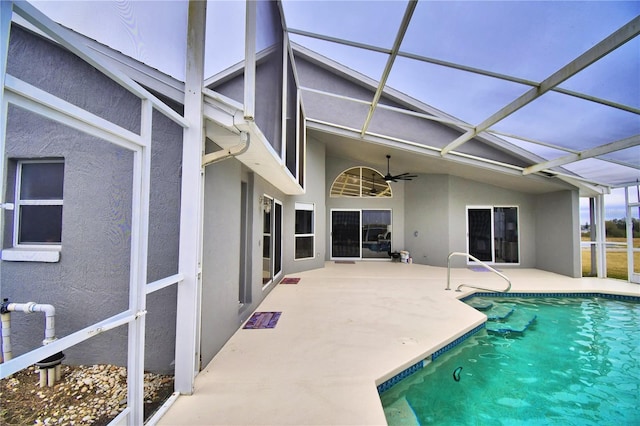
(589, 153)
(406, 19)
(615, 40)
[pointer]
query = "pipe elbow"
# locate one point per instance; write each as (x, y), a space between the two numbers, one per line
(48, 310)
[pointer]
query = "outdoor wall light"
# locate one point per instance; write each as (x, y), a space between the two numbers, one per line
(265, 204)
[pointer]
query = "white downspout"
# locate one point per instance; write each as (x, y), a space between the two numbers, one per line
(234, 151)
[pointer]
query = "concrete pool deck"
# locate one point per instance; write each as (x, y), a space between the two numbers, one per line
(344, 329)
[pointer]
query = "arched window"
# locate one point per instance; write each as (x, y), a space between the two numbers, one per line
(361, 182)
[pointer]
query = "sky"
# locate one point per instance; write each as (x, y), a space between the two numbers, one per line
(527, 39)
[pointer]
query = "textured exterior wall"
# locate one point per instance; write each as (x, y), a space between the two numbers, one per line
(221, 254)
(91, 281)
(315, 193)
(427, 213)
(343, 112)
(558, 233)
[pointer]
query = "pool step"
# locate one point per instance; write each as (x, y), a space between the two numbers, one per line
(499, 312)
(517, 322)
(480, 304)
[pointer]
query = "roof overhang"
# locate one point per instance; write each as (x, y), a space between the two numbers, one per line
(224, 125)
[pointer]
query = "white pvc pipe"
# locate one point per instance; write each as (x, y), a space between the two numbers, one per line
(6, 337)
(50, 314)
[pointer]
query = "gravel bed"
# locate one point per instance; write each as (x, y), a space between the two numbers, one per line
(85, 395)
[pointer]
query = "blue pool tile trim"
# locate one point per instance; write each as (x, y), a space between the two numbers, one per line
(456, 342)
(388, 384)
(602, 295)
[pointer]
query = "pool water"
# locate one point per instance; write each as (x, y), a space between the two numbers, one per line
(539, 361)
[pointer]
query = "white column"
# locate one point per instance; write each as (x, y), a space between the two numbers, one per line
(138, 273)
(191, 209)
(601, 249)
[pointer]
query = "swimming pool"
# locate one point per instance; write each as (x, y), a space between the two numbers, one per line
(538, 361)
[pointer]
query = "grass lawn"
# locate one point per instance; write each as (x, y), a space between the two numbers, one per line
(616, 259)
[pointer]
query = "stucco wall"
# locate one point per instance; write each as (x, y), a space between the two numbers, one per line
(558, 233)
(220, 256)
(427, 213)
(91, 281)
(315, 191)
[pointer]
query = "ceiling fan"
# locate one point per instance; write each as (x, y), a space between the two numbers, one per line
(391, 178)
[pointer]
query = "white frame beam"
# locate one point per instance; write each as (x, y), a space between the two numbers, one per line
(583, 155)
(138, 273)
(633, 277)
(465, 68)
(406, 20)
(609, 44)
(187, 362)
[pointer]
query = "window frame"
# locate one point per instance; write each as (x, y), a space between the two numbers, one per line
(302, 206)
(19, 203)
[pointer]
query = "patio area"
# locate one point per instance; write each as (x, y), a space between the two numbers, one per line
(343, 329)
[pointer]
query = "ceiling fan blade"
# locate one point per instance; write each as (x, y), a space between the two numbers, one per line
(406, 176)
(394, 178)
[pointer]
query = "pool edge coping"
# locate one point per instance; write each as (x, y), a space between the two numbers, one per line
(411, 367)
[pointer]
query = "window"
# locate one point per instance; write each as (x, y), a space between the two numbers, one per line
(38, 209)
(361, 182)
(304, 232)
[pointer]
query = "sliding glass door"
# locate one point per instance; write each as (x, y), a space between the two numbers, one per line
(345, 234)
(360, 234)
(492, 234)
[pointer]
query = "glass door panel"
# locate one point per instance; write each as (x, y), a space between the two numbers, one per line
(345, 234)
(376, 234)
(505, 230)
(479, 233)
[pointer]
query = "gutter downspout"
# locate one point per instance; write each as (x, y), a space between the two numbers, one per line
(214, 157)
